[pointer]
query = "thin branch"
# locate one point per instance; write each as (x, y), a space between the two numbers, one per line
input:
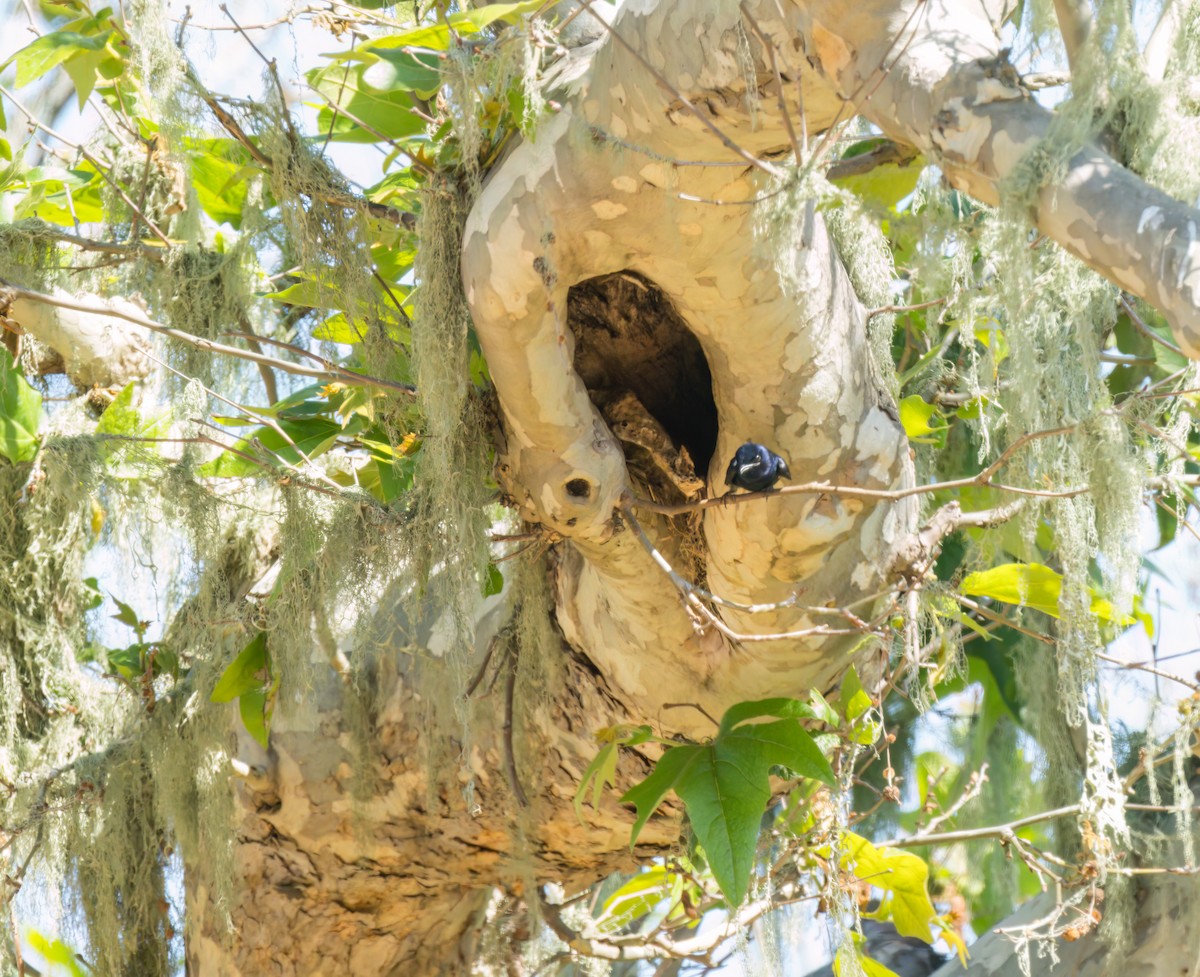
(692, 598)
(1001, 831)
(1161, 44)
(974, 789)
(331, 373)
(1142, 667)
(886, 309)
(885, 153)
(1075, 25)
(1140, 325)
(984, 478)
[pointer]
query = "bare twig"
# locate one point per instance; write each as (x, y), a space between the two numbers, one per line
(1143, 667)
(978, 834)
(34, 121)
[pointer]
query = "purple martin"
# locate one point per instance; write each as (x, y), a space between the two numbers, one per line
(755, 468)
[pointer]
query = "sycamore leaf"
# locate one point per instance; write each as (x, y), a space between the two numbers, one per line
(779, 708)
(855, 701)
(358, 109)
(440, 36)
(848, 955)
(725, 786)
(493, 581)
(51, 50)
(254, 709)
(602, 771)
(126, 614)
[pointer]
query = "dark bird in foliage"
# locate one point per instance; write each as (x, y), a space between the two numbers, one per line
(755, 468)
(905, 956)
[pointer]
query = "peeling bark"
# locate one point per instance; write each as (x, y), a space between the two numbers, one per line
(400, 881)
(604, 189)
(948, 90)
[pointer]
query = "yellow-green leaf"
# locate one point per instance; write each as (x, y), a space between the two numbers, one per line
(916, 415)
(901, 875)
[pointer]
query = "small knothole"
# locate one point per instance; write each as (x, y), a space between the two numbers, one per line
(579, 489)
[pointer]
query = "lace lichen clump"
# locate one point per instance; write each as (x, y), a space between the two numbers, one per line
(868, 260)
(450, 493)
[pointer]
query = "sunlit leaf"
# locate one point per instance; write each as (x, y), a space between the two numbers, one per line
(725, 786)
(901, 875)
(246, 673)
(20, 412)
(637, 897)
(917, 416)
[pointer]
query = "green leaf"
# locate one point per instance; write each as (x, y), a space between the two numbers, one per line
(338, 329)
(870, 967)
(94, 597)
(440, 36)
(601, 772)
(50, 50)
(56, 953)
(126, 614)
(386, 479)
(360, 111)
(649, 794)
(725, 787)
(311, 435)
(493, 581)
(20, 412)
(886, 183)
(220, 171)
(245, 674)
(1037, 586)
(401, 68)
(901, 875)
(637, 897)
(253, 708)
(855, 701)
(1024, 584)
(126, 662)
(779, 708)
(915, 415)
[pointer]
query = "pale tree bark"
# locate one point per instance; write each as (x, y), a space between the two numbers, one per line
(649, 168)
(93, 349)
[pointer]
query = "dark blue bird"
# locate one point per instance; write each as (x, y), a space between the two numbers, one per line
(755, 468)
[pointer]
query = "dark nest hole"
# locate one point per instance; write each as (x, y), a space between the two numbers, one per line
(629, 339)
